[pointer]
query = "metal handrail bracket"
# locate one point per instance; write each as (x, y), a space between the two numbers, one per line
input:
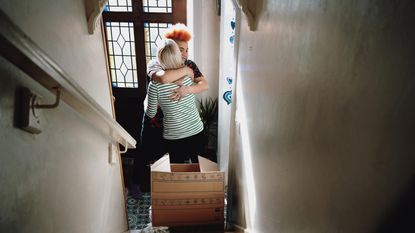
(21, 51)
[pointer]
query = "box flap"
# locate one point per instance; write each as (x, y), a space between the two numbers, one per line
(206, 165)
(162, 165)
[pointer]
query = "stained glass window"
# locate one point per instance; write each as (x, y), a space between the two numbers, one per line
(122, 57)
(157, 6)
(119, 6)
(124, 20)
(153, 36)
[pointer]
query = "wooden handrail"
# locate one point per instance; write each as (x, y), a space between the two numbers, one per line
(21, 51)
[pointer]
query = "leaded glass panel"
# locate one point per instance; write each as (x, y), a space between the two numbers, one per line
(119, 6)
(157, 6)
(121, 51)
(153, 33)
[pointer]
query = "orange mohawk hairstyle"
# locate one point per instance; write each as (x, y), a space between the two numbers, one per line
(180, 32)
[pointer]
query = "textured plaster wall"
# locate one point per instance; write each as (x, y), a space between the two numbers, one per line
(326, 98)
(59, 180)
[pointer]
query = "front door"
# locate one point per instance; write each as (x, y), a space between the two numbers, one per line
(133, 29)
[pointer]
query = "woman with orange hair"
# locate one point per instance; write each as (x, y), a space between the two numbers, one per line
(181, 35)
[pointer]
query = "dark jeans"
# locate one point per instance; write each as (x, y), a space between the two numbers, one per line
(152, 147)
(185, 148)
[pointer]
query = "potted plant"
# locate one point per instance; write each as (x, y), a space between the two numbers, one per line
(208, 110)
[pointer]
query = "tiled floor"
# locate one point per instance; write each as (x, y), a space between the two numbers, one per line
(140, 222)
(138, 211)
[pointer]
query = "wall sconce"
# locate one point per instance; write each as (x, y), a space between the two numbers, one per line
(94, 9)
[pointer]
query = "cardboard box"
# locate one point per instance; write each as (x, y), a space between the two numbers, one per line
(187, 194)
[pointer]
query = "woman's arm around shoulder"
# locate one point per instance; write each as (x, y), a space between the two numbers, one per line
(152, 100)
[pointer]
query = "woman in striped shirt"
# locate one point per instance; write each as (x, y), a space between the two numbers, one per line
(182, 125)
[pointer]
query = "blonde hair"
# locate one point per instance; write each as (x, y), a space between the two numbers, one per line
(169, 56)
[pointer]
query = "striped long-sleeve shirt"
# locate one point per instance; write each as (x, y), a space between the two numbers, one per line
(181, 118)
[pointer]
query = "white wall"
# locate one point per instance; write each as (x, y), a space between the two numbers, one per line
(325, 106)
(59, 180)
(60, 29)
(206, 29)
(226, 81)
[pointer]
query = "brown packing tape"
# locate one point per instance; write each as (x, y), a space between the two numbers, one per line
(187, 176)
(187, 195)
(195, 201)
